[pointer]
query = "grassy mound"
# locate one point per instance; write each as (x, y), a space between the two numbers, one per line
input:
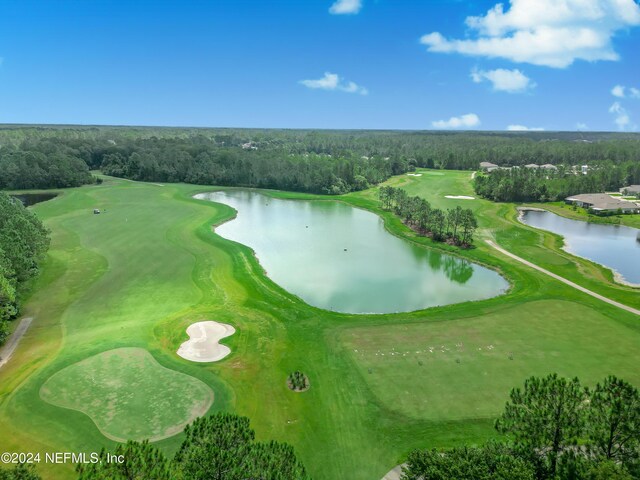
(129, 395)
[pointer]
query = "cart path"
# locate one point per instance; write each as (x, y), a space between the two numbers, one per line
(395, 473)
(564, 280)
(12, 342)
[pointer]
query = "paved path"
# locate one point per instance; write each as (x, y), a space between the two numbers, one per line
(395, 473)
(12, 342)
(564, 280)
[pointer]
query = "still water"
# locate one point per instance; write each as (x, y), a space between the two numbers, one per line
(616, 247)
(341, 258)
(29, 199)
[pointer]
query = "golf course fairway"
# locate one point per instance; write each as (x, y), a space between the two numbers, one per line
(128, 282)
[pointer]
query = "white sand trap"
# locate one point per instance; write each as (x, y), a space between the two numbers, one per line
(460, 197)
(414, 174)
(203, 345)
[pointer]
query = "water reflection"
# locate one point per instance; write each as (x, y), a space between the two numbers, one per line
(341, 258)
(613, 246)
(29, 199)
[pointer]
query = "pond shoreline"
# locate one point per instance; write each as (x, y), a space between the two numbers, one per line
(617, 275)
(342, 258)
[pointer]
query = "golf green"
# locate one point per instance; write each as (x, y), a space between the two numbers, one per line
(129, 395)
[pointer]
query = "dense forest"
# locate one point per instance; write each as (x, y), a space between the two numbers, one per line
(325, 161)
(556, 430)
(21, 170)
(23, 242)
(455, 226)
(542, 185)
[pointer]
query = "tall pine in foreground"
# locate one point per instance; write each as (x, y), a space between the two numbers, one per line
(546, 416)
(556, 430)
(218, 447)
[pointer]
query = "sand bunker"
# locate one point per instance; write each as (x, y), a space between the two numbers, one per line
(460, 197)
(414, 174)
(203, 344)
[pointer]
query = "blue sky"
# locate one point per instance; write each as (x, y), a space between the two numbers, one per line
(396, 64)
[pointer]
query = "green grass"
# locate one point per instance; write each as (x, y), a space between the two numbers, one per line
(465, 368)
(129, 395)
(138, 275)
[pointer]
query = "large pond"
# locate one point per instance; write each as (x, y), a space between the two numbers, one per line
(341, 258)
(616, 247)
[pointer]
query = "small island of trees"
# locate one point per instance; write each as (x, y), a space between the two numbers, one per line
(298, 381)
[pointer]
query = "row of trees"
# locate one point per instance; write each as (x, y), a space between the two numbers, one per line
(557, 430)
(301, 160)
(456, 225)
(542, 185)
(166, 161)
(23, 242)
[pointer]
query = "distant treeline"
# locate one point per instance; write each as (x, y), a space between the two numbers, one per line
(542, 185)
(23, 241)
(299, 160)
(454, 225)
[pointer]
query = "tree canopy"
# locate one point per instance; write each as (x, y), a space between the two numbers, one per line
(218, 447)
(328, 162)
(555, 430)
(23, 242)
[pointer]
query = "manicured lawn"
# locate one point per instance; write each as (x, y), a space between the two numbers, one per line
(465, 368)
(129, 395)
(139, 274)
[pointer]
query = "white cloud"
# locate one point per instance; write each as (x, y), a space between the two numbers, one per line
(511, 81)
(332, 81)
(621, 92)
(522, 128)
(345, 7)
(618, 91)
(552, 33)
(622, 117)
(582, 126)
(463, 121)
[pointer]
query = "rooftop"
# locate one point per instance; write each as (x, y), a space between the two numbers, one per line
(602, 201)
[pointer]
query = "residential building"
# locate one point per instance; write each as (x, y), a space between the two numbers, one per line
(603, 203)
